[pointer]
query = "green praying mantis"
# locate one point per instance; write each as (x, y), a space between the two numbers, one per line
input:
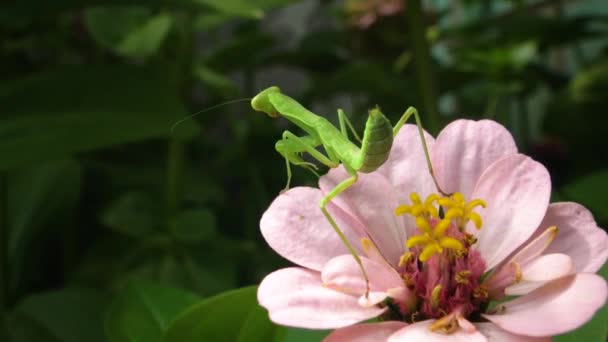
(373, 153)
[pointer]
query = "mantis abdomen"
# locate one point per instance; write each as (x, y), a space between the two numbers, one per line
(377, 141)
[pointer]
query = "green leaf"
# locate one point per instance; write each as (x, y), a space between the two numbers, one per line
(133, 214)
(74, 109)
(36, 196)
(216, 81)
(590, 191)
(596, 329)
(128, 31)
(194, 225)
(222, 318)
(244, 8)
(68, 315)
(143, 311)
(300, 335)
(148, 38)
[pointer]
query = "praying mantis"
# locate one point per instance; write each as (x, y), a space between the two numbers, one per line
(373, 153)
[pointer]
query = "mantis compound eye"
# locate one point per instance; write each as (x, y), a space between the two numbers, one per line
(261, 102)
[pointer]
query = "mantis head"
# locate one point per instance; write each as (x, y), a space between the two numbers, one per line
(262, 103)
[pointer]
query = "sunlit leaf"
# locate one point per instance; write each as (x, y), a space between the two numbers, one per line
(254, 9)
(128, 31)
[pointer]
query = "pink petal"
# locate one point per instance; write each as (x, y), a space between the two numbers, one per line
(465, 149)
(406, 168)
(547, 267)
(535, 246)
(578, 236)
(367, 332)
(343, 273)
(539, 271)
(559, 306)
(295, 227)
(516, 190)
(495, 334)
(372, 201)
(420, 332)
(295, 297)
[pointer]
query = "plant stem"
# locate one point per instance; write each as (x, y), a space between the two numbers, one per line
(4, 234)
(175, 161)
(423, 63)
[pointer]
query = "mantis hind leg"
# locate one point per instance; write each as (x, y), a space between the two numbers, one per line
(344, 122)
(291, 145)
(341, 187)
(408, 113)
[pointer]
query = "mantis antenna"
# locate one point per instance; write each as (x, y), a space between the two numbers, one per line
(188, 117)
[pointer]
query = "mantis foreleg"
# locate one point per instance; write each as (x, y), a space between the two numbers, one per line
(292, 144)
(408, 113)
(341, 187)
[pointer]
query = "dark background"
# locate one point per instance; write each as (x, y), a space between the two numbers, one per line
(100, 198)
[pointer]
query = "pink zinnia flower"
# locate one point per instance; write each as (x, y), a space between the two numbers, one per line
(435, 262)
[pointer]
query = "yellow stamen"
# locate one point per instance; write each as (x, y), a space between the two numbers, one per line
(454, 213)
(429, 251)
(458, 197)
(405, 258)
(403, 209)
(518, 274)
(435, 296)
(481, 292)
(430, 199)
(423, 225)
(417, 240)
(441, 227)
(462, 277)
(475, 203)
(415, 198)
(450, 243)
(475, 218)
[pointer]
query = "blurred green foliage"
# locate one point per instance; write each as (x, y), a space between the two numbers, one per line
(115, 226)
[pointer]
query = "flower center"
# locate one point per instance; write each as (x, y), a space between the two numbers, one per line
(440, 267)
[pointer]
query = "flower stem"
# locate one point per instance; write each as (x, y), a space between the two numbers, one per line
(424, 68)
(4, 234)
(175, 161)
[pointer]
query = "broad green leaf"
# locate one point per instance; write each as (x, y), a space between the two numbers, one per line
(596, 329)
(144, 311)
(128, 31)
(58, 113)
(39, 196)
(22, 328)
(194, 225)
(220, 318)
(68, 315)
(147, 39)
(257, 326)
(254, 9)
(133, 214)
(590, 191)
(300, 335)
(216, 81)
